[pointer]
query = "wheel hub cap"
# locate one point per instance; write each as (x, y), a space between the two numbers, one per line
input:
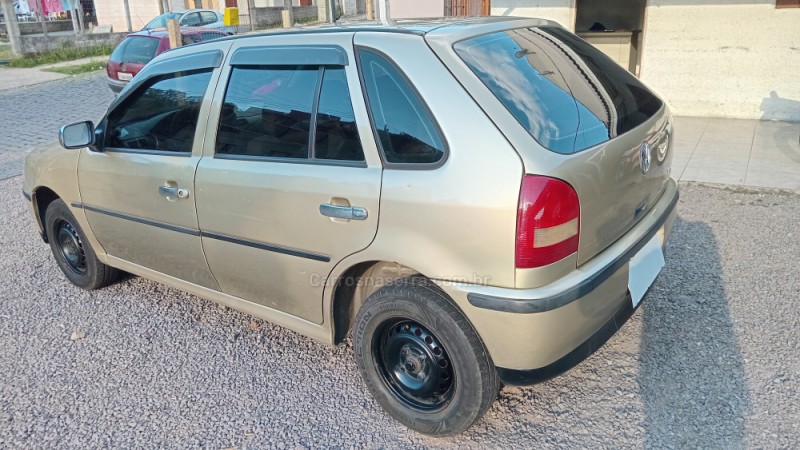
(71, 247)
(415, 365)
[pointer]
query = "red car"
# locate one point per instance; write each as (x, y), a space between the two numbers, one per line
(137, 49)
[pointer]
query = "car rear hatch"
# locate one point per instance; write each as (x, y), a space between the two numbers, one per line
(131, 55)
(606, 134)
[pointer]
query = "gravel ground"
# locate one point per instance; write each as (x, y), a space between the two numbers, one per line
(712, 359)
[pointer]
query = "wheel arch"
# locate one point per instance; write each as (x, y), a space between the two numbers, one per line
(42, 197)
(361, 280)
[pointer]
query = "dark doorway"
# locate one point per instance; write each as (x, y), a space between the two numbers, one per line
(615, 27)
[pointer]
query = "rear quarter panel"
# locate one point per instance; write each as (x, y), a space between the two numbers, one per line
(457, 221)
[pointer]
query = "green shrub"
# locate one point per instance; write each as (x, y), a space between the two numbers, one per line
(66, 53)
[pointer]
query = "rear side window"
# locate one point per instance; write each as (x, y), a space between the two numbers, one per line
(337, 136)
(404, 127)
(207, 36)
(567, 94)
(136, 50)
(207, 17)
(269, 112)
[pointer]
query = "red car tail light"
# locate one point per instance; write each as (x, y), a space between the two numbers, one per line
(548, 222)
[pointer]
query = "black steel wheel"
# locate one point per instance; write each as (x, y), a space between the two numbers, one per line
(72, 252)
(70, 246)
(422, 360)
(414, 364)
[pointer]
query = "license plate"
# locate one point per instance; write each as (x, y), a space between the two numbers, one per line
(645, 266)
(124, 76)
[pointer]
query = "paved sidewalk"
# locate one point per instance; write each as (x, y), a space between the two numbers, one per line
(738, 152)
(14, 78)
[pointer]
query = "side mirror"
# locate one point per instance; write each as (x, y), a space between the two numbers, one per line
(77, 135)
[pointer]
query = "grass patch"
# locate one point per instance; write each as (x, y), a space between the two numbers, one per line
(78, 69)
(64, 54)
(5, 52)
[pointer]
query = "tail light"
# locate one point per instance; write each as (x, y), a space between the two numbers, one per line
(548, 222)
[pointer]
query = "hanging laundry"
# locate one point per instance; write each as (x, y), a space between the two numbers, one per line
(52, 6)
(21, 7)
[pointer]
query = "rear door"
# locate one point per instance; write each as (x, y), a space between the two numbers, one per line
(290, 182)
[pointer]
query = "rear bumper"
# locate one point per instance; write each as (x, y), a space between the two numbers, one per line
(535, 334)
(116, 85)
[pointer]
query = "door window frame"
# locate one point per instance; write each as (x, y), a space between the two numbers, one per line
(395, 165)
(320, 57)
(209, 60)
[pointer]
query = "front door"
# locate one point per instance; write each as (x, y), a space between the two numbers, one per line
(138, 193)
(289, 191)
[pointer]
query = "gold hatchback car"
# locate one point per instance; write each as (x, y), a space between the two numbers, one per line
(476, 202)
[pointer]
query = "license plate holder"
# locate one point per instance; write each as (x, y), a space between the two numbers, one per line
(645, 266)
(124, 76)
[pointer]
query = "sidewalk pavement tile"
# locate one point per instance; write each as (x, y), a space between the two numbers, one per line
(714, 174)
(774, 179)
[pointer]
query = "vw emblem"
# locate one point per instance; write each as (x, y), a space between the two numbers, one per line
(645, 157)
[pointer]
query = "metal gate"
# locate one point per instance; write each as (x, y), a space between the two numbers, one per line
(467, 7)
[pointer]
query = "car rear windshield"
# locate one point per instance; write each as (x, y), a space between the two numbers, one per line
(567, 94)
(136, 50)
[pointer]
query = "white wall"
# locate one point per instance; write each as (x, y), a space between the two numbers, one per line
(724, 58)
(113, 13)
(407, 9)
(561, 11)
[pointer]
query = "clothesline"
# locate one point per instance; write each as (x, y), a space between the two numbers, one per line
(24, 7)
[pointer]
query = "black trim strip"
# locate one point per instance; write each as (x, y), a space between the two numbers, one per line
(166, 226)
(76, 205)
(517, 377)
(539, 305)
(290, 55)
(217, 236)
(27, 196)
(268, 247)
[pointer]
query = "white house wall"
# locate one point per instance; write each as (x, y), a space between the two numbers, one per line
(113, 13)
(724, 58)
(561, 11)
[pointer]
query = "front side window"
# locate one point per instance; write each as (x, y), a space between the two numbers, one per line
(268, 112)
(161, 115)
(192, 20)
(404, 127)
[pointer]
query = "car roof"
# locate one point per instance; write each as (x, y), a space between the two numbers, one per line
(442, 26)
(450, 29)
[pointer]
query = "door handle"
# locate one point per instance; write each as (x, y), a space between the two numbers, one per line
(343, 212)
(173, 192)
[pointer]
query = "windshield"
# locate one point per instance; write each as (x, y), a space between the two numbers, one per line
(161, 21)
(567, 94)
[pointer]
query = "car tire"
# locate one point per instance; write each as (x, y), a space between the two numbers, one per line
(422, 360)
(71, 250)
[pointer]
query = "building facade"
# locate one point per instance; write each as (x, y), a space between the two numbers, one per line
(720, 58)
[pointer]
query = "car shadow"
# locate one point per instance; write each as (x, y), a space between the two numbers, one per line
(692, 378)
